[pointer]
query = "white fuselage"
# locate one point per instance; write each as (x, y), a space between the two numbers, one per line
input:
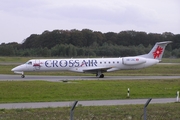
(91, 65)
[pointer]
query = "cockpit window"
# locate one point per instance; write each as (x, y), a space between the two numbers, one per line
(29, 63)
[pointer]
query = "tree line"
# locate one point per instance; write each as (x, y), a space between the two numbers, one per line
(88, 43)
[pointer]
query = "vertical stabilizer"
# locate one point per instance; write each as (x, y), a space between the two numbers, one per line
(157, 51)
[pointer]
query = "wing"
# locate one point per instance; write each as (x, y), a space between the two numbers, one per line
(95, 70)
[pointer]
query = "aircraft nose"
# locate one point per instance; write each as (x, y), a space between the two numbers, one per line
(15, 69)
(18, 68)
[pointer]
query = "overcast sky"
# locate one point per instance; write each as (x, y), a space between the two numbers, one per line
(21, 18)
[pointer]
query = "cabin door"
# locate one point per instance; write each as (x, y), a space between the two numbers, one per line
(37, 65)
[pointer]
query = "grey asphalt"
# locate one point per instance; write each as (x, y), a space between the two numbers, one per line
(84, 103)
(62, 78)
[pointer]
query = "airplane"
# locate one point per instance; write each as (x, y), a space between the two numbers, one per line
(95, 65)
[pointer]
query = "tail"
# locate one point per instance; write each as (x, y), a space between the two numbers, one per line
(157, 51)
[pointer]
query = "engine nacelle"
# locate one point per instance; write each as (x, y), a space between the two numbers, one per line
(133, 60)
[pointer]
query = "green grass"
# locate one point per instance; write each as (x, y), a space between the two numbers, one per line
(14, 59)
(118, 112)
(86, 90)
(170, 60)
(36, 91)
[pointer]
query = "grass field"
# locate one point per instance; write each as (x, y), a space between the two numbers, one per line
(31, 91)
(120, 112)
(37, 91)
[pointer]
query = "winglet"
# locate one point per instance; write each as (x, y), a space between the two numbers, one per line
(157, 51)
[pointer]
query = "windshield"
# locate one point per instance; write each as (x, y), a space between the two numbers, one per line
(29, 63)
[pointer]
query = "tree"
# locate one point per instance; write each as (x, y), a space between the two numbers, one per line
(76, 38)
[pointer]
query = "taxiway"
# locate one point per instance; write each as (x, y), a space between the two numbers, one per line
(62, 78)
(83, 103)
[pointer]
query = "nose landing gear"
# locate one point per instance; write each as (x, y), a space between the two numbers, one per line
(22, 74)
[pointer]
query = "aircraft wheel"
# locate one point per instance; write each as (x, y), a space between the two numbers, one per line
(22, 76)
(101, 76)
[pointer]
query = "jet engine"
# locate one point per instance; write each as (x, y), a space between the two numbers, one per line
(133, 60)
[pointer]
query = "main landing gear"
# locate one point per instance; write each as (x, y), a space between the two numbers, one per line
(23, 76)
(100, 75)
